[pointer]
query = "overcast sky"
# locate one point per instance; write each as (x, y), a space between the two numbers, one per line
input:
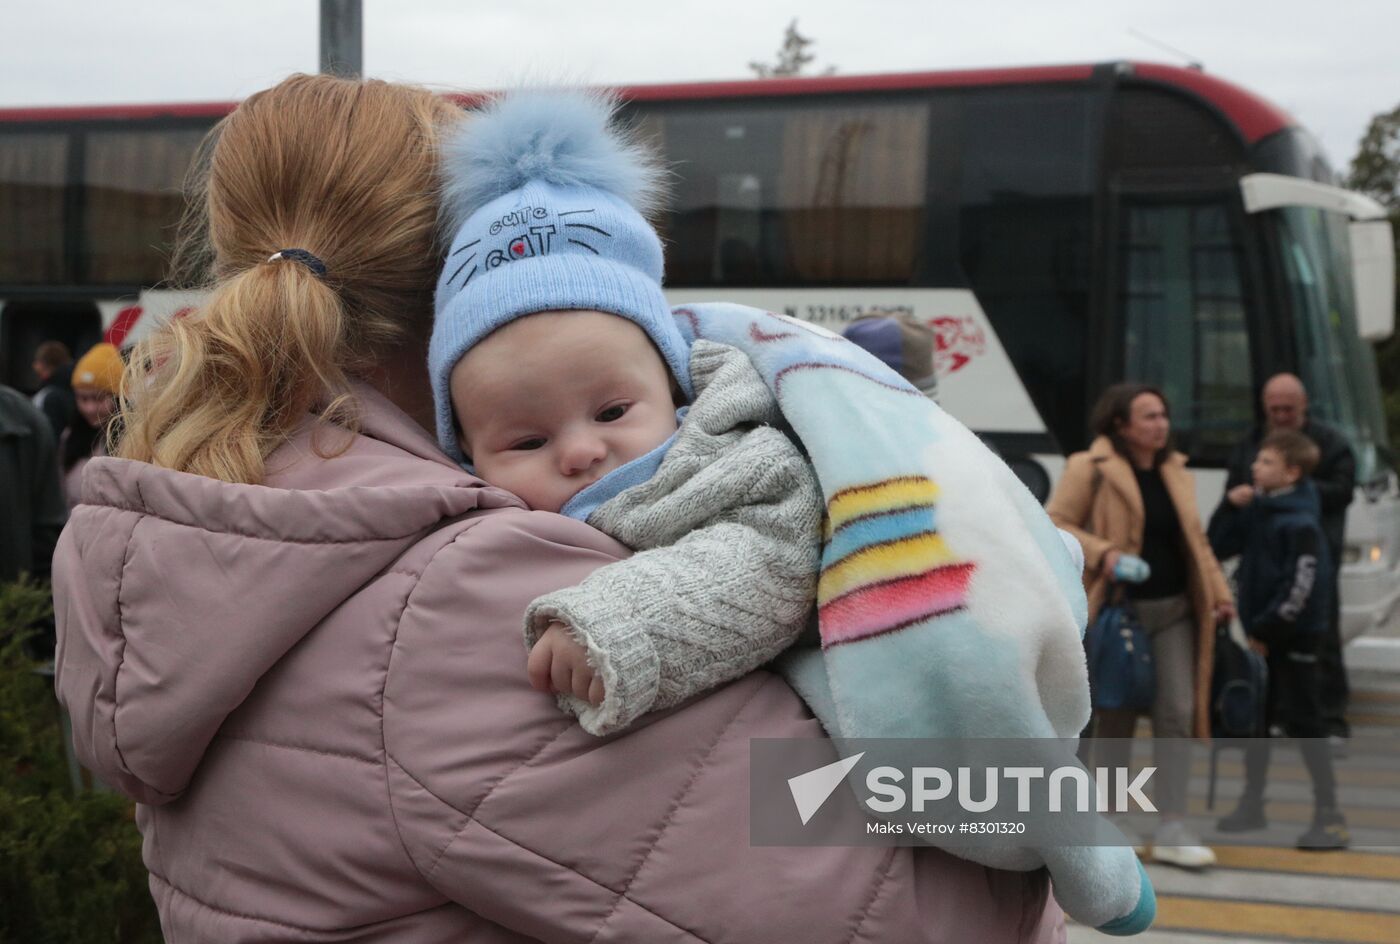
(1331, 63)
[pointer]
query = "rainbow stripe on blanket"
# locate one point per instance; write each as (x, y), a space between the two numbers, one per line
(885, 566)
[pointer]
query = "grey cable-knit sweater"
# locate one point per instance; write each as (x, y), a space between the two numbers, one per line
(728, 538)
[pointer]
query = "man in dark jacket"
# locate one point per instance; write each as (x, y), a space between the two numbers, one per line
(1284, 606)
(53, 365)
(32, 510)
(1285, 403)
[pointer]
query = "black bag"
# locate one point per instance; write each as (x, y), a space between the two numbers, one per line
(1239, 687)
(1239, 693)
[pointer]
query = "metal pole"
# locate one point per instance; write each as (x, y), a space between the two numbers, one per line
(342, 38)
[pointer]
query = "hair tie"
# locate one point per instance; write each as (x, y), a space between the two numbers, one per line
(302, 256)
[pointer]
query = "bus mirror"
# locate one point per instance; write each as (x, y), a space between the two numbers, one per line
(1373, 269)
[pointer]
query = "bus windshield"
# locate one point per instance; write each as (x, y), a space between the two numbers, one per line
(1336, 365)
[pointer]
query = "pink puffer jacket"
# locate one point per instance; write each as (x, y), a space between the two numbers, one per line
(316, 690)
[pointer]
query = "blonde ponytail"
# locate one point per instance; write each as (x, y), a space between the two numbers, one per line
(225, 385)
(345, 169)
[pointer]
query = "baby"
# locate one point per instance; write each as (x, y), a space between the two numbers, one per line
(557, 370)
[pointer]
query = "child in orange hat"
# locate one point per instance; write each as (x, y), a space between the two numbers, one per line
(97, 379)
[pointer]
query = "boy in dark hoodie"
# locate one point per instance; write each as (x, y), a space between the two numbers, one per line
(1283, 604)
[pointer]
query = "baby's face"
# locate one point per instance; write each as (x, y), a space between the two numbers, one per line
(552, 402)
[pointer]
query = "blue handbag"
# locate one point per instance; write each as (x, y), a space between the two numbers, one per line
(1122, 675)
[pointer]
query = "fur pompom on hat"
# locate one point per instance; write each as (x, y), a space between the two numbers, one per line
(546, 199)
(99, 369)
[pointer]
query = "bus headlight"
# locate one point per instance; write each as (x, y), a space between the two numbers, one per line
(1356, 553)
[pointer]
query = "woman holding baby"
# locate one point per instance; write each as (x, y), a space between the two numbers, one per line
(290, 625)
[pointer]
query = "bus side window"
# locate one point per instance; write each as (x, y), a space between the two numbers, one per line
(853, 191)
(132, 199)
(817, 193)
(33, 175)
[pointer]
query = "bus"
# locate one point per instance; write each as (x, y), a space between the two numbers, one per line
(1061, 228)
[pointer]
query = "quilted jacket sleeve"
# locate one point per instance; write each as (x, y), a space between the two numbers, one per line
(511, 810)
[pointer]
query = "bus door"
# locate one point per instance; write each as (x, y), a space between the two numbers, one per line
(1183, 322)
(1184, 317)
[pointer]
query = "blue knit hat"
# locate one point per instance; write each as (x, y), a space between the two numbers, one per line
(546, 200)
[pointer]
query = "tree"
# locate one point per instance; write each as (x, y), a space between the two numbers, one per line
(1375, 171)
(70, 863)
(793, 57)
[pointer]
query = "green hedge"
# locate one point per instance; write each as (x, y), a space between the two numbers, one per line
(70, 866)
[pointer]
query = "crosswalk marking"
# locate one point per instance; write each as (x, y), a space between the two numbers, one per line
(1285, 922)
(1348, 775)
(1302, 813)
(1351, 864)
(1274, 894)
(1373, 697)
(1365, 719)
(1283, 888)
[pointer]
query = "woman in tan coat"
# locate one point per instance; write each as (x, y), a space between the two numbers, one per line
(1130, 494)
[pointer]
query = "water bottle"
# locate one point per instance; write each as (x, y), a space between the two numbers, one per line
(1131, 569)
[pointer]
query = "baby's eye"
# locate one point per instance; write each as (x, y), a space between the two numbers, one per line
(612, 414)
(536, 442)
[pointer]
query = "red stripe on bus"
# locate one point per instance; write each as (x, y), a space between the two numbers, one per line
(118, 112)
(817, 85)
(680, 91)
(1255, 117)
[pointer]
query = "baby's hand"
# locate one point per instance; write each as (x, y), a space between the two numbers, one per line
(558, 664)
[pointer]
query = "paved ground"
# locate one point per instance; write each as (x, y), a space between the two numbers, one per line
(1270, 892)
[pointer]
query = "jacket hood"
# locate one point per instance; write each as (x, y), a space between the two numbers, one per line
(1302, 498)
(188, 589)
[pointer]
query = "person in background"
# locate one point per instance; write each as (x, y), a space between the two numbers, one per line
(904, 343)
(1285, 407)
(53, 365)
(1130, 494)
(31, 504)
(1284, 606)
(97, 379)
